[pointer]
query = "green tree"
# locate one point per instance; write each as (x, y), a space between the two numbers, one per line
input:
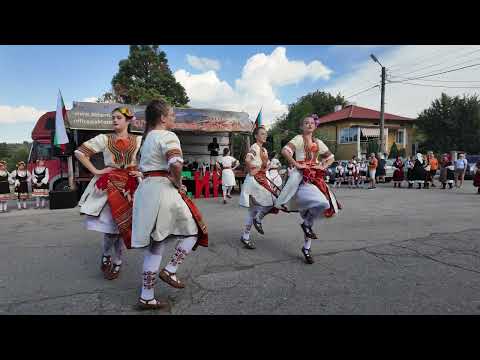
(144, 76)
(393, 151)
(3, 151)
(317, 102)
(450, 123)
(372, 146)
(20, 154)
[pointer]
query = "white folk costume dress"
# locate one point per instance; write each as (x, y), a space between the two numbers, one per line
(21, 179)
(115, 188)
(228, 176)
(307, 191)
(255, 188)
(159, 209)
(40, 178)
(273, 172)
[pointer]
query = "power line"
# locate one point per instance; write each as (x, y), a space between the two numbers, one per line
(441, 62)
(440, 86)
(429, 75)
(360, 92)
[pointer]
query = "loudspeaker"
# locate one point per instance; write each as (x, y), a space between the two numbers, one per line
(63, 199)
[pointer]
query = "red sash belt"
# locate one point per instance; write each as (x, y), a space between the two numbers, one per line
(316, 177)
(120, 188)
(202, 239)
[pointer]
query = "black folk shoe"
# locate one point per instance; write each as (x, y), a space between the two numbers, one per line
(307, 230)
(248, 243)
(258, 226)
(307, 253)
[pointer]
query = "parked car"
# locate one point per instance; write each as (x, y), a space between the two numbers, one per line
(389, 170)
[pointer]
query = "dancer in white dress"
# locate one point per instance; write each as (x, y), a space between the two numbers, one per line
(40, 178)
(5, 182)
(21, 178)
(228, 164)
(257, 193)
(108, 198)
(162, 211)
(306, 190)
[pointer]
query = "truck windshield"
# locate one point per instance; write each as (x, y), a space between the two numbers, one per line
(40, 151)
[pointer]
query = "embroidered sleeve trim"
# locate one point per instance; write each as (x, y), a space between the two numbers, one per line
(173, 153)
(85, 150)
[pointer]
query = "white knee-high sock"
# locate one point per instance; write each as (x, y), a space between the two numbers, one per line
(43, 202)
(229, 190)
(181, 251)
(19, 204)
(37, 202)
(118, 247)
(108, 240)
(252, 212)
(5, 206)
(308, 243)
(151, 264)
(24, 204)
(262, 212)
(224, 191)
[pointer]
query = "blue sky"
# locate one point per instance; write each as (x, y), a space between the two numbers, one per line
(31, 76)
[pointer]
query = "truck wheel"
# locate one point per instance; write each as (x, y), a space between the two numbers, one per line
(61, 185)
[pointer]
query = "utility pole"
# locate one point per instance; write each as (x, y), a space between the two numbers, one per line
(382, 114)
(382, 106)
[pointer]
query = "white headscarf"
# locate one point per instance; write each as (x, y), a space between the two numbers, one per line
(419, 157)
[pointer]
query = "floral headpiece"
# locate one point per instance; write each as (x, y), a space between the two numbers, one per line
(20, 163)
(316, 119)
(3, 162)
(125, 111)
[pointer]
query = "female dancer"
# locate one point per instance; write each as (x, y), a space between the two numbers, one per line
(162, 211)
(21, 178)
(363, 171)
(258, 194)
(476, 177)
(5, 182)
(108, 198)
(398, 173)
(447, 171)
(40, 179)
(351, 169)
(228, 176)
(419, 174)
(409, 164)
(306, 185)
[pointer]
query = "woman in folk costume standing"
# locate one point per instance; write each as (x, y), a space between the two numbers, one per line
(5, 182)
(409, 164)
(306, 187)
(258, 194)
(108, 198)
(228, 164)
(476, 177)
(162, 211)
(418, 173)
(398, 173)
(40, 187)
(21, 178)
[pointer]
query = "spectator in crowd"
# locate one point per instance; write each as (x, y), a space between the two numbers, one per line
(398, 173)
(460, 169)
(433, 163)
(380, 173)
(339, 174)
(476, 177)
(372, 170)
(350, 173)
(447, 171)
(419, 173)
(363, 172)
(213, 148)
(409, 164)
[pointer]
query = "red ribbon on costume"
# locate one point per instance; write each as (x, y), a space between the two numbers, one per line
(120, 188)
(316, 177)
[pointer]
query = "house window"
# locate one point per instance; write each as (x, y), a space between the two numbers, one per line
(400, 136)
(348, 135)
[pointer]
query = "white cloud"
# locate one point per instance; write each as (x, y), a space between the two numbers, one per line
(261, 76)
(92, 99)
(19, 114)
(203, 64)
(410, 100)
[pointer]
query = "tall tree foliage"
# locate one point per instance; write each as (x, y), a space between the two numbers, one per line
(451, 123)
(144, 76)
